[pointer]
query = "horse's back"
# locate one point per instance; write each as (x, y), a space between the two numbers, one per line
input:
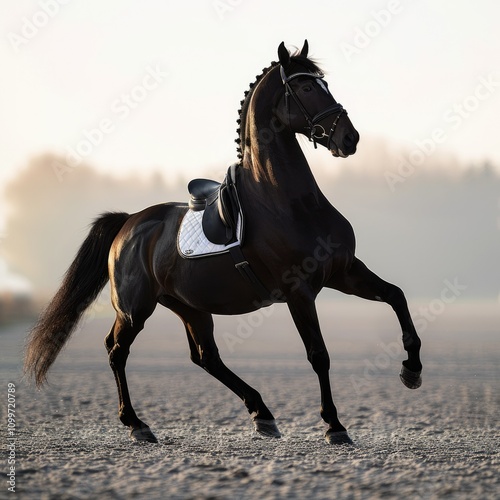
(141, 227)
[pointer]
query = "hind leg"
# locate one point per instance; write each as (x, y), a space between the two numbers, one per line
(204, 353)
(360, 281)
(118, 343)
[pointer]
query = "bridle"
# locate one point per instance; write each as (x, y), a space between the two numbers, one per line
(316, 131)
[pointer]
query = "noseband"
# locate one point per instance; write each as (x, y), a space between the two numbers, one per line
(316, 131)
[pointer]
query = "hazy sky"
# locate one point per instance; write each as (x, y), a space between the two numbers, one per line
(133, 86)
(401, 68)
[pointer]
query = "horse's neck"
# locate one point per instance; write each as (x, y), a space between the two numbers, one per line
(275, 168)
(279, 170)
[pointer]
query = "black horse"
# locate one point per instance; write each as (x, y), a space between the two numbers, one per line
(288, 222)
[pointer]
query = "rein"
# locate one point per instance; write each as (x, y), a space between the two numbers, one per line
(316, 131)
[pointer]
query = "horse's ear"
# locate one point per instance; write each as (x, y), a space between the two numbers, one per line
(305, 49)
(284, 55)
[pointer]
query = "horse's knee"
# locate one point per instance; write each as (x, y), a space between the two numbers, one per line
(395, 297)
(320, 360)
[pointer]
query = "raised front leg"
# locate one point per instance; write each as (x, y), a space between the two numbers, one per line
(303, 311)
(360, 281)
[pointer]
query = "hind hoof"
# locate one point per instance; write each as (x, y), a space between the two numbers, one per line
(338, 437)
(143, 434)
(412, 380)
(267, 428)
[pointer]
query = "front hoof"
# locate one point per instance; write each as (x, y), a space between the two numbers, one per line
(338, 437)
(143, 434)
(412, 380)
(267, 428)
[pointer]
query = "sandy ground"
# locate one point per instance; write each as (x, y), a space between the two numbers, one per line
(440, 441)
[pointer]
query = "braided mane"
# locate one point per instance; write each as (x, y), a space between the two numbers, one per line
(242, 112)
(298, 63)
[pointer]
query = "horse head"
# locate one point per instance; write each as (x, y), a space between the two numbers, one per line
(308, 107)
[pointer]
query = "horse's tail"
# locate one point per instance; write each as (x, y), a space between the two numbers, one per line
(82, 283)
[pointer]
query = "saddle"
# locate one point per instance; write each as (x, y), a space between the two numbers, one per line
(222, 217)
(221, 206)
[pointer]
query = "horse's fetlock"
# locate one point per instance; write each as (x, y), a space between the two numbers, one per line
(124, 419)
(256, 407)
(195, 358)
(330, 417)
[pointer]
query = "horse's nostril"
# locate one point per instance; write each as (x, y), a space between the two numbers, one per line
(348, 140)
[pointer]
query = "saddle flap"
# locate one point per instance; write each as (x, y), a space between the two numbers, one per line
(213, 226)
(228, 212)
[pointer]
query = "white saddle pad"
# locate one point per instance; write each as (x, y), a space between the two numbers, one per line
(192, 242)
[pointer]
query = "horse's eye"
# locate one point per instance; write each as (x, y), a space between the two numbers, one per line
(308, 88)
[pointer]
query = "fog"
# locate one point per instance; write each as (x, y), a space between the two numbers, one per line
(435, 225)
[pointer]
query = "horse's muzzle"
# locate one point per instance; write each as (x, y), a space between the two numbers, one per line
(349, 143)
